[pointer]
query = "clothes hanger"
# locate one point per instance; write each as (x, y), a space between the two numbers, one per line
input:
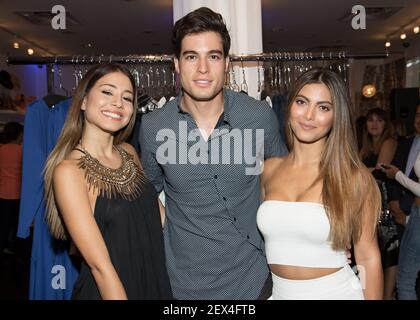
(244, 85)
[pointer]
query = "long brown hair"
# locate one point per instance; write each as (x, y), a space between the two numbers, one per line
(348, 188)
(71, 135)
(368, 146)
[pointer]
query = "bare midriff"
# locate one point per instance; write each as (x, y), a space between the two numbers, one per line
(300, 273)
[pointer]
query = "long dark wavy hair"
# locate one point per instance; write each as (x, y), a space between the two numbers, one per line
(72, 133)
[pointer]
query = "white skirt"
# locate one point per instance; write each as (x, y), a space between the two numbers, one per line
(340, 285)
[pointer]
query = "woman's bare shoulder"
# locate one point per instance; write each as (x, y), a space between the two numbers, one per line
(129, 148)
(69, 167)
(389, 143)
(272, 164)
(274, 161)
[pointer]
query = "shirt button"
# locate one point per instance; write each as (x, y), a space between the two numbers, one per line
(224, 198)
(234, 219)
(247, 236)
(215, 176)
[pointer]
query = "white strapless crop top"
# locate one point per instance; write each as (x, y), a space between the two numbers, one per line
(296, 233)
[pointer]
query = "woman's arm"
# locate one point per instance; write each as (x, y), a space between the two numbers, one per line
(72, 198)
(387, 152)
(368, 257)
(394, 173)
(265, 174)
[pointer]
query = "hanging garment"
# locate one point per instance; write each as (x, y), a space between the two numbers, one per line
(279, 107)
(134, 140)
(53, 272)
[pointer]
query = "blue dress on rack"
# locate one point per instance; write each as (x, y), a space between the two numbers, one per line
(53, 273)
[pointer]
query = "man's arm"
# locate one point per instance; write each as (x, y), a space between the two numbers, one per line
(274, 146)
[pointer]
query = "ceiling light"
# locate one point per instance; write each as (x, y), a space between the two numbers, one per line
(369, 90)
(16, 45)
(416, 29)
(30, 51)
(387, 44)
(403, 36)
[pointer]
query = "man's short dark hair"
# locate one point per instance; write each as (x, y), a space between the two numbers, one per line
(201, 20)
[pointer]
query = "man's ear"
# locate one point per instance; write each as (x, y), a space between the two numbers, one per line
(176, 63)
(227, 64)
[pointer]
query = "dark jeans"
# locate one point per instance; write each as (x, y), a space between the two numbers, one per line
(9, 216)
(409, 261)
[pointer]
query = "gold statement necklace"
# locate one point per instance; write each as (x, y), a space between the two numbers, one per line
(125, 181)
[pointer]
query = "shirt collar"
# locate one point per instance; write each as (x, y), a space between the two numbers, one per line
(226, 112)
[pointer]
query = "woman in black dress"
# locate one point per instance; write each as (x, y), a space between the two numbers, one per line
(97, 194)
(378, 146)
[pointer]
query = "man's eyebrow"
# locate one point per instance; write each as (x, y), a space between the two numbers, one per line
(189, 52)
(215, 51)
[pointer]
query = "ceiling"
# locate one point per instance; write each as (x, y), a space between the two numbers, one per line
(122, 27)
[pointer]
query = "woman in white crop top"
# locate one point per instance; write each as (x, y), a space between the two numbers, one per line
(320, 199)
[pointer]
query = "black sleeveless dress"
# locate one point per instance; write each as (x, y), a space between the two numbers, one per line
(387, 232)
(133, 235)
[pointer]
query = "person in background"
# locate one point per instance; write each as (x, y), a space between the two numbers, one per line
(409, 260)
(409, 265)
(10, 183)
(378, 146)
(97, 194)
(330, 200)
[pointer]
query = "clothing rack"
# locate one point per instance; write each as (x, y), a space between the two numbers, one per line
(299, 56)
(86, 59)
(155, 75)
(166, 58)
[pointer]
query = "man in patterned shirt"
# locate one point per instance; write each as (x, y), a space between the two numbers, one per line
(213, 247)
